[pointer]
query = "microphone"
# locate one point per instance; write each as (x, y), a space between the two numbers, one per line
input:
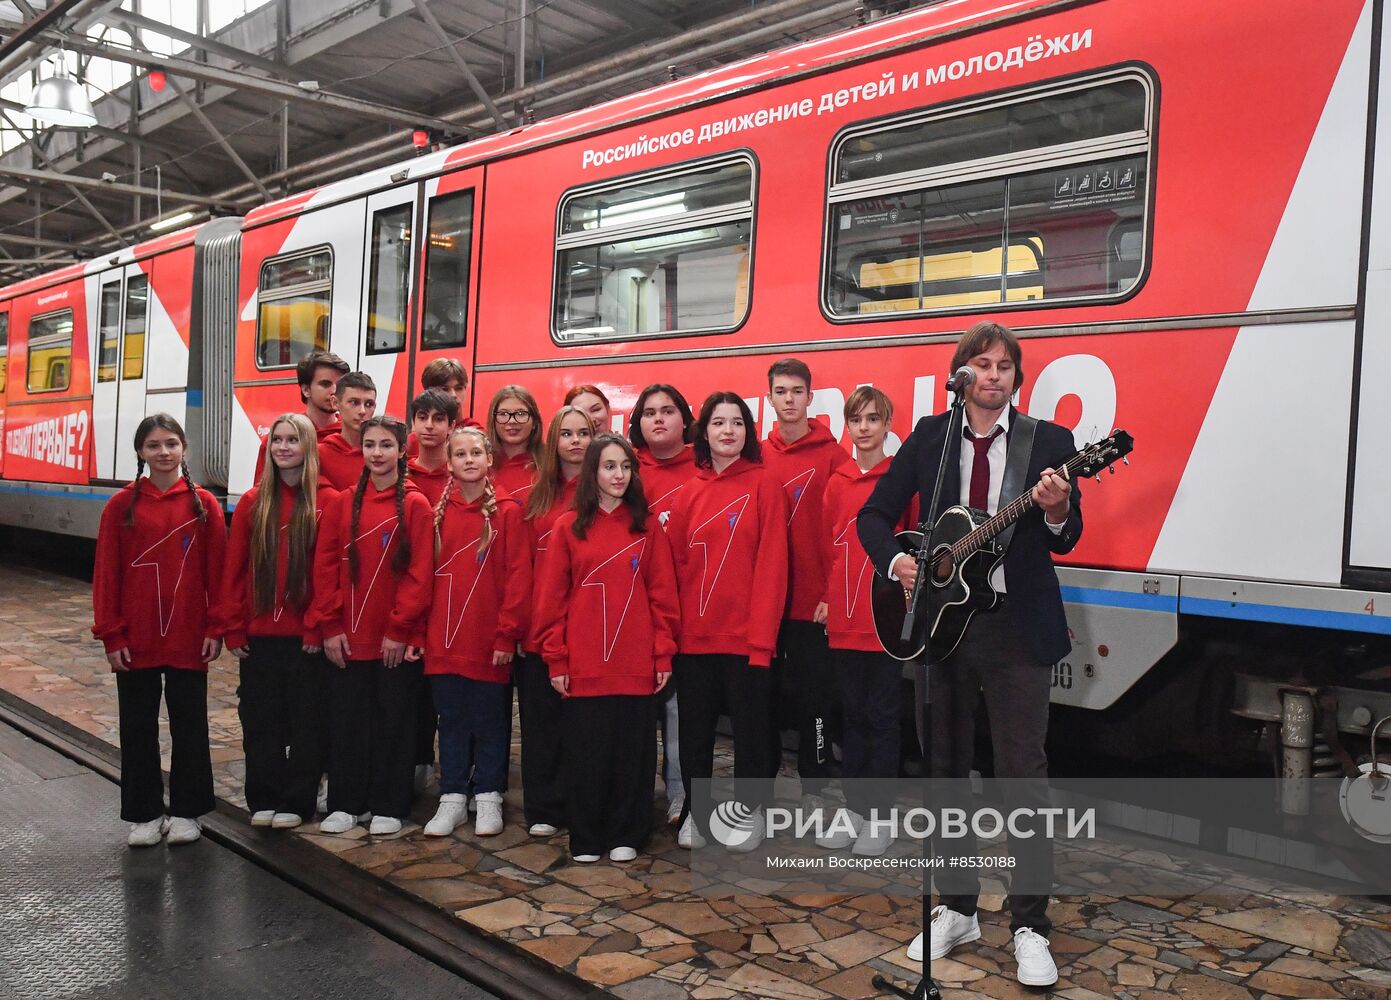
(961, 378)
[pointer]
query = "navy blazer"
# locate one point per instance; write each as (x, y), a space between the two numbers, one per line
(1030, 577)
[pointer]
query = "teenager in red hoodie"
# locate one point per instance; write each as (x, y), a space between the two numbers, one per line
(477, 617)
(433, 415)
(608, 614)
(801, 453)
(543, 795)
(660, 429)
(340, 455)
(448, 376)
(514, 427)
(728, 535)
(160, 552)
(869, 679)
(373, 571)
(317, 373)
(266, 594)
(591, 399)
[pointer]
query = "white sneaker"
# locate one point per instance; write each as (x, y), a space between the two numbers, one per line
(950, 929)
(262, 817)
(337, 822)
(453, 810)
(623, 854)
(688, 836)
(1036, 965)
(840, 828)
(542, 830)
(286, 821)
(873, 840)
(586, 859)
(147, 834)
(489, 820)
(915, 950)
(183, 830)
(384, 826)
(674, 809)
(321, 800)
(757, 825)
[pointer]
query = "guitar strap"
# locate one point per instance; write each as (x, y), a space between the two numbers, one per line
(1021, 448)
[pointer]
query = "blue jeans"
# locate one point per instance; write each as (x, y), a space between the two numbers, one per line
(471, 711)
(670, 720)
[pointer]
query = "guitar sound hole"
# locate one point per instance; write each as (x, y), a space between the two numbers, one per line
(942, 566)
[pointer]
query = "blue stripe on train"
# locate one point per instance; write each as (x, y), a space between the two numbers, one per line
(1238, 610)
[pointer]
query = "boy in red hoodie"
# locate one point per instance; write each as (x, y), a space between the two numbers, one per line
(317, 373)
(477, 617)
(448, 376)
(340, 455)
(728, 535)
(373, 572)
(801, 453)
(160, 552)
(608, 614)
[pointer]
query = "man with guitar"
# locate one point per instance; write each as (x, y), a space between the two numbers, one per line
(1005, 654)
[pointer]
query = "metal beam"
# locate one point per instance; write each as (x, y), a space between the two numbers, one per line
(452, 47)
(207, 73)
(133, 21)
(76, 193)
(96, 184)
(219, 138)
(50, 17)
(34, 241)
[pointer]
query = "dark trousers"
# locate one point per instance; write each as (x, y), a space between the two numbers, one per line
(543, 789)
(993, 663)
(473, 734)
(190, 767)
(609, 786)
(805, 679)
(373, 737)
(870, 692)
(425, 714)
(709, 684)
(281, 702)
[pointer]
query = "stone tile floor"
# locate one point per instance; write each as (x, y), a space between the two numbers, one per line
(643, 932)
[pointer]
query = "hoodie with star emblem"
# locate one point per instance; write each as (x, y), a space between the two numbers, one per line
(607, 610)
(380, 603)
(728, 535)
(155, 582)
(662, 479)
(283, 618)
(803, 468)
(480, 602)
(541, 528)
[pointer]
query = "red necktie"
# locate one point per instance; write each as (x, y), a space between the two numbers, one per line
(980, 469)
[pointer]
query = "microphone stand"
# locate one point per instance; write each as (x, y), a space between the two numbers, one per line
(927, 987)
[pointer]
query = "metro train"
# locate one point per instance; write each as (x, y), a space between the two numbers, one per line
(1183, 208)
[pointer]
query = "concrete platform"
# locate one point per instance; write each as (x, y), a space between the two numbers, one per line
(639, 931)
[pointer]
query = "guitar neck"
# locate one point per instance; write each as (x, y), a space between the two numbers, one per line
(1007, 515)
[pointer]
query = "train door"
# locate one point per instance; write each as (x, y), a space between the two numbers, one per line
(131, 399)
(387, 273)
(107, 385)
(4, 373)
(446, 301)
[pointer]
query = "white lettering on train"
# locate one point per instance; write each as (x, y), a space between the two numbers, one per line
(60, 441)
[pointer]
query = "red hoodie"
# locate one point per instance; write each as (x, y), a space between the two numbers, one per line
(380, 603)
(540, 528)
(662, 479)
(479, 605)
(803, 469)
(431, 482)
(608, 610)
(155, 582)
(516, 475)
(322, 433)
(729, 538)
(283, 619)
(413, 446)
(849, 597)
(340, 464)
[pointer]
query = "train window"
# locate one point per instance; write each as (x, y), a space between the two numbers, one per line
(137, 311)
(1036, 196)
(447, 259)
(667, 252)
(50, 351)
(389, 281)
(4, 351)
(294, 296)
(109, 330)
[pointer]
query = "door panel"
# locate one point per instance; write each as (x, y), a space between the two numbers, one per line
(106, 383)
(388, 269)
(131, 405)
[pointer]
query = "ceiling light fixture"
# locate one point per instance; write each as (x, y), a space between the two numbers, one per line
(62, 101)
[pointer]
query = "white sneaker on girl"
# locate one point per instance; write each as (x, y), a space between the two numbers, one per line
(489, 821)
(586, 859)
(147, 834)
(384, 826)
(286, 821)
(543, 830)
(689, 837)
(262, 817)
(183, 830)
(623, 854)
(338, 822)
(453, 810)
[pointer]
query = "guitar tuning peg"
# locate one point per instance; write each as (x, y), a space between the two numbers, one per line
(1111, 469)
(1098, 477)
(1125, 460)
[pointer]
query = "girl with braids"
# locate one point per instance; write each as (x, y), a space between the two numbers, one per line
(477, 617)
(514, 428)
(543, 795)
(266, 595)
(608, 615)
(372, 579)
(160, 551)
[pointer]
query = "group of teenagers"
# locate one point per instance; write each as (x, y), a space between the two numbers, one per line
(385, 582)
